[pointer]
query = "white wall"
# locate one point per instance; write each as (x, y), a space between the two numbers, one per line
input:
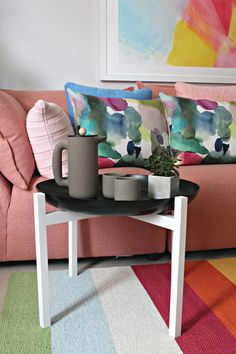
(45, 43)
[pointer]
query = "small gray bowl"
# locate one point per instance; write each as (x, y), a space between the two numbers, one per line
(127, 188)
(108, 184)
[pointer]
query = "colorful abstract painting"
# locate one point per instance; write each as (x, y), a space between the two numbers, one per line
(205, 35)
(180, 32)
(164, 37)
(146, 28)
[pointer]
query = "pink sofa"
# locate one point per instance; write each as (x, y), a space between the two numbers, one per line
(97, 237)
(210, 220)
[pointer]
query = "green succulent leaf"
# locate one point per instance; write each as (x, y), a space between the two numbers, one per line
(163, 163)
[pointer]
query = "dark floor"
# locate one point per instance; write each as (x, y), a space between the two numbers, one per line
(118, 261)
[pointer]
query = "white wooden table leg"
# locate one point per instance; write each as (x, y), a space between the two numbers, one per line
(177, 266)
(73, 248)
(42, 259)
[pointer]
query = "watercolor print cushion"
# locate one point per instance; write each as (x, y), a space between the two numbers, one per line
(134, 128)
(74, 90)
(202, 131)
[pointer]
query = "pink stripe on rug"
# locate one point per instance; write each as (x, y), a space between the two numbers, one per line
(202, 331)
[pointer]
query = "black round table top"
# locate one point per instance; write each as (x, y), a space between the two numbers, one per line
(58, 196)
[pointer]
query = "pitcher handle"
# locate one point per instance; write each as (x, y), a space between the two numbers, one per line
(57, 163)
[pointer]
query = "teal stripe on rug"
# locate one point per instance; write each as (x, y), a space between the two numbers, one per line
(78, 319)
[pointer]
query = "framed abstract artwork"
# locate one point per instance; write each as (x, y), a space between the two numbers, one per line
(168, 40)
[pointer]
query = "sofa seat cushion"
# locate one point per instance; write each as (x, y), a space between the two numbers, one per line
(20, 227)
(211, 220)
(16, 157)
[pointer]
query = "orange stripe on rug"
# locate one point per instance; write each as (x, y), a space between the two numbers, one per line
(217, 292)
(227, 266)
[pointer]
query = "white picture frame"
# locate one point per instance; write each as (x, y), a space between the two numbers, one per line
(113, 70)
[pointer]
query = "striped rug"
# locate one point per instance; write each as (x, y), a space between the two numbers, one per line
(121, 310)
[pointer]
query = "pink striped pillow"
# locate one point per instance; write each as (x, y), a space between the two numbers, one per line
(47, 124)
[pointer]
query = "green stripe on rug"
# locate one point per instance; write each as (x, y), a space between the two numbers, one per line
(20, 332)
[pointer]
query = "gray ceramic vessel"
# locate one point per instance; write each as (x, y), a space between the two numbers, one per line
(127, 188)
(108, 180)
(82, 178)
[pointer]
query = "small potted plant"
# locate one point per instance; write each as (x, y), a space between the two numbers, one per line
(164, 181)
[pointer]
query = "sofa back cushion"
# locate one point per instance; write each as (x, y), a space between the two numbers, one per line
(157, 88)
(207, 92)
(16, 157)
(28, 98)
(47, 125)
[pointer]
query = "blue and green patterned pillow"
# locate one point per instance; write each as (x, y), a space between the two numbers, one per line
(134, 128)
(201, 131)
(73, 90)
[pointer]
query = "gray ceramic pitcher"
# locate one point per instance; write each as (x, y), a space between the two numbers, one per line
(82, 178)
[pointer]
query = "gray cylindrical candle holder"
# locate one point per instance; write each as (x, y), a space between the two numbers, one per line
(127, 188)
(108, 184)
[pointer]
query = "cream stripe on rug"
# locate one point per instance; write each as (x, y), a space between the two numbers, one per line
(135, 323)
